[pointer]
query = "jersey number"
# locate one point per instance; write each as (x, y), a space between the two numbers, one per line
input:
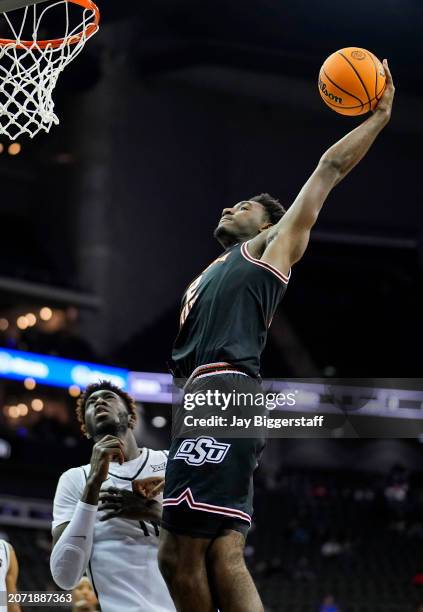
(190, 298)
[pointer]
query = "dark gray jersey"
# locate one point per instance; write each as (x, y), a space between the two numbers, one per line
(226, 312)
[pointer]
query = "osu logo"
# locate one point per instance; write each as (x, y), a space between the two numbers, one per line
(202, 450)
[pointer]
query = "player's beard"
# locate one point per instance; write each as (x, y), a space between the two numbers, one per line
(225, 237)
(112, 427)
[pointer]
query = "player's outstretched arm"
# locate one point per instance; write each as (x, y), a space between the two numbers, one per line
(288, 239)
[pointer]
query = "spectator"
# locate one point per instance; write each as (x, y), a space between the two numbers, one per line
(84, 598)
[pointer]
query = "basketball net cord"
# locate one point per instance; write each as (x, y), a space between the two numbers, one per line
(28, 75)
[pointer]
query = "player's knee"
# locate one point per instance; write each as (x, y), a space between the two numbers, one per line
(230, 561)
(179, 577)
(187, 582)
(174, 564)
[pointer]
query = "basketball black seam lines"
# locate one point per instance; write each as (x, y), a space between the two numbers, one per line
(358, 76)
(347, 107)
(343, 107)
(344, 90)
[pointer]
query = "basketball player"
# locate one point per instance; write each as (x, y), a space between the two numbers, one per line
(116, 542)
(9, 571)
(226, 312)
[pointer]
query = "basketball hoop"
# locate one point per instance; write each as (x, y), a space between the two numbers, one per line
(31, 63)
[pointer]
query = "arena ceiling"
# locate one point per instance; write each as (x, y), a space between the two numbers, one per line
(273, 35)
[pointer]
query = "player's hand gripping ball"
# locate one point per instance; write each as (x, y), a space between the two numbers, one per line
(352, 81)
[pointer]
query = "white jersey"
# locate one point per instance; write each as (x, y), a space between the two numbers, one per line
(123, 567)
(4, 568)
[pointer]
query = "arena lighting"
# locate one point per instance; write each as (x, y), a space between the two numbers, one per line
(14, 149)
(159, 421)
(74, 391)
(57, 372)
(37, 405)
(151, 387)
(393, 403)
(4, 324)
(392, 398)
(22, 322)
(46, 313)
(23, 409)
(31, 319)
(13, 412)
(1, 147)
(30, 384)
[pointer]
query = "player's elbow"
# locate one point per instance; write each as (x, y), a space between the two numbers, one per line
(67, 566)
(331, 168)
(64, 583)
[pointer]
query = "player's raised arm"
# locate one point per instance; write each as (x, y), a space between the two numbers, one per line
(288, 239)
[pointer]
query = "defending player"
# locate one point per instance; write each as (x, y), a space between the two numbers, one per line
(226, 312)
(116, 542)
(9, 571)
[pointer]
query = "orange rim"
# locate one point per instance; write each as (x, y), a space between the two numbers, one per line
(57, 42)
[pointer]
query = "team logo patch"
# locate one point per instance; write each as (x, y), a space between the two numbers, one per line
(202, 450)
(158, 468)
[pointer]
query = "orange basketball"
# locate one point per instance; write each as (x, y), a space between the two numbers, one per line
(351, 81)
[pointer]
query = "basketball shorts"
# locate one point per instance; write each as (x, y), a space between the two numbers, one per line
(209, 480)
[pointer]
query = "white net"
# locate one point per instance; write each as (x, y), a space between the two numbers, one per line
(29, 68)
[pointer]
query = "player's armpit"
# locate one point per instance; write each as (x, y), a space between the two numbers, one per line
(283, 252)
(257, 245)
(288, 239)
